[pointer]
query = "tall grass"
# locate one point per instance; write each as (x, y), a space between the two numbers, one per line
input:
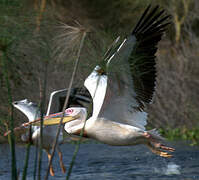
(27, 155)
(75, 153)
(43, 99)
(35, 163)
(177, 68)
(73, 75)
(9, 39)
(78, 32)
(11, 137)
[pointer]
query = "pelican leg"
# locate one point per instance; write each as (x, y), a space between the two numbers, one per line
(61, 160)
(158, 152)
(156, 147)
(161, 146)
(51, 167)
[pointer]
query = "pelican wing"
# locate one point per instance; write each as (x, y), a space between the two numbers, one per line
(131, 71)
(78, 97)
(96, 85)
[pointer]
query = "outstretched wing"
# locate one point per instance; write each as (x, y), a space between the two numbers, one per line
(131, 71)
(79, 97)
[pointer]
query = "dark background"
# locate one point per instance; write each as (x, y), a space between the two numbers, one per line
(33, 48)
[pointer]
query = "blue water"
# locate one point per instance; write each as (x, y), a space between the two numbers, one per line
(103, 162)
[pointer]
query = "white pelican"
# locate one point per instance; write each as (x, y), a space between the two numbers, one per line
(31, 110)
(122, 85)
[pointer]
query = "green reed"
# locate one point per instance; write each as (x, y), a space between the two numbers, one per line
(82, 33)
(11, 137)
(27, 155)
(43, 99)
(182, 133)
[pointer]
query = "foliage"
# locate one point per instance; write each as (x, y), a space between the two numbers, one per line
(30, 39)
(29, 50)
(183, 133)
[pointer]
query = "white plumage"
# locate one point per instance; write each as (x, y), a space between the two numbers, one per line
(79, 97)
(122, 85)
(32, 112)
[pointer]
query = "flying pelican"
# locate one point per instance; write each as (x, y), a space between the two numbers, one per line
(31, 110)
(122, 85)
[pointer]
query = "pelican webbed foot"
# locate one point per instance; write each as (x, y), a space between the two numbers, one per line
(158, 151)
(156, 147)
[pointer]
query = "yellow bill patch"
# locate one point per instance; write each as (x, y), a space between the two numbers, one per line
(55, 120)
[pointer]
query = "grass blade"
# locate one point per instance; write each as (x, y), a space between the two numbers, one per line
(35, 162)
(11, 120)
(75, 153)
(27, 155)
(43, 99)
(66, 101)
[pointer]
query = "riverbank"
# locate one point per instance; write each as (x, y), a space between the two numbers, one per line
(182, 133)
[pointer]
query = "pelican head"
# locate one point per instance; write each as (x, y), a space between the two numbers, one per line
(30, 109)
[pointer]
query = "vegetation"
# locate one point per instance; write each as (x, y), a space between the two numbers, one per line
(32, 42)
(190, 135)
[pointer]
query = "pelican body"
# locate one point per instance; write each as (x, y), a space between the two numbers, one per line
(122, 85)
(32, 112)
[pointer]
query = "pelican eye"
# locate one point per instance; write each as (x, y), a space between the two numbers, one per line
(101, 71)
(24, 101)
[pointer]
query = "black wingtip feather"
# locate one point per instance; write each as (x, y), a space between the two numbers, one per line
(142, 17)
(150, 23)
(148, 33)
(149, 19)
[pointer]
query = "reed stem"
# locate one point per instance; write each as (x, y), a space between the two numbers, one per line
(11, 120)
(43, 99)
(35, 162)
(75, 153)
(27, 155)
(66, 102)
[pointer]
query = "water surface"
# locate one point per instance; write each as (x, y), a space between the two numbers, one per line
(103, 162)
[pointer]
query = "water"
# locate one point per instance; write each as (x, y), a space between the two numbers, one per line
(103, 162)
